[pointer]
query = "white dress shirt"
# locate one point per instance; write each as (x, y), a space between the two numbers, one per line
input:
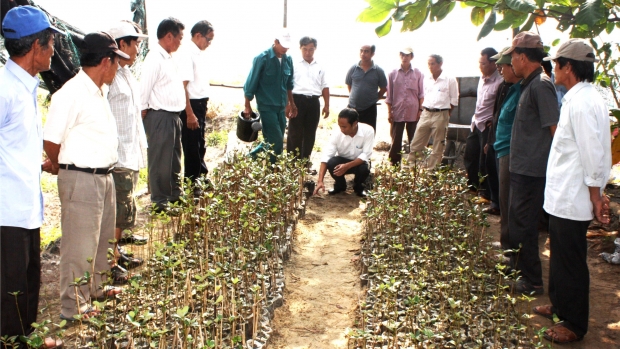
(124, 99)
(21, 146)
(358, 146)
(308, 78)
(194, 67)
(80, 120)
(440, 93)
(580, 155)
(161, 84)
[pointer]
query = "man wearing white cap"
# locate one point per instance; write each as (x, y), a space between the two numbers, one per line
(124, 99)
(578, 169)
(405, 94)
(29, 40)
(271, 81)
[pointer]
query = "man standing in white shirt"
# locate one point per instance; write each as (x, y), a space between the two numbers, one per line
(441, 94)
(577, 172)
(163, 99)
(81, 140)
(348, 152)
(194, 71)
(309, 85)
(29, 40)
(124, 99)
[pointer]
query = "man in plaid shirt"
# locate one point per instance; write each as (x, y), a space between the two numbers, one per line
(124, 98)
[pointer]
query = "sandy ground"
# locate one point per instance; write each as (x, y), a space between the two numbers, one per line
(322, 281)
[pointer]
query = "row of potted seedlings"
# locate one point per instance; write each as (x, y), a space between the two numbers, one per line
(431, 276)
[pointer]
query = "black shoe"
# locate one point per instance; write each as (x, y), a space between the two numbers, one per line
(361, 193)
(129, 262)
(119, 275)
(133, 239)
(491, 210)
(335, 191)
(525, 288)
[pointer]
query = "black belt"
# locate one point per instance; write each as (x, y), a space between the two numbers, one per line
(99, 171)
(308, 97)
(435, 110)
(200, 99)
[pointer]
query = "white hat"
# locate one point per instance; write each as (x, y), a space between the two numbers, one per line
(577, 49)
(284, 38)
(125, 29)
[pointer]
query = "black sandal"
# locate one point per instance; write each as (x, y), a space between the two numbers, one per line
(119, 275)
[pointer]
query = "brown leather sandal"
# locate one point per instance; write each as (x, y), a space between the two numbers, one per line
(52, 343)
(544, 311)
(560, 334)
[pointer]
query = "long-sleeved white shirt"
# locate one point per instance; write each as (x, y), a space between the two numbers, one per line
(161, 84)
(358, 146)
(580, 155)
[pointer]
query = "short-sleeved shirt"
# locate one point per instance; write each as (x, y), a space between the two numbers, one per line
(404, 91)
(440, 93)
(269, 79)
(309, 78)
(531, 138)
(21, 146)
(80, 120)
(365, 86)
(194, 68)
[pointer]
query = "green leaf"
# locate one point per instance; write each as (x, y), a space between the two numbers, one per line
(416, 16)
(516, 23)
(528, 25)
(373, 15)
(590, 13)
(488, 25)
(555, 42)
(384, 28)
(521, 5)
(502, 25)
(540, 3)
(441, 9)
(477, 16)
(219, 299)
(400, 13)
(610, 27)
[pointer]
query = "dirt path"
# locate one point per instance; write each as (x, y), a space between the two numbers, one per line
(323, 284)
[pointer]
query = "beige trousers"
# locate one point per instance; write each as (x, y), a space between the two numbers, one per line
(88, 210)
(431, 124)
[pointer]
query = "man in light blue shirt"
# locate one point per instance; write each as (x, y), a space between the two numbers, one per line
(29, 40)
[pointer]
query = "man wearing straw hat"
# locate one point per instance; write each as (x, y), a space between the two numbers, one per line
(577, 172)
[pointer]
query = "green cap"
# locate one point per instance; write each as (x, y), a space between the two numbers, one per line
(501, 58)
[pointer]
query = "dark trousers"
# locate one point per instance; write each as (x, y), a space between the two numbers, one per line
(569, 278)
(20, 271)
(504, 200)
(361, 172)
(492, 179)
(193, 141)
(474, 160)
(526, 199)
(302, 128)
(163, 132)
(369, 116)
(396, 131)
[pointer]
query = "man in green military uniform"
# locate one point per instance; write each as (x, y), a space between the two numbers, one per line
(271, 81)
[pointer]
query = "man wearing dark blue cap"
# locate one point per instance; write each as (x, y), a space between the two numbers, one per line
(29, 40)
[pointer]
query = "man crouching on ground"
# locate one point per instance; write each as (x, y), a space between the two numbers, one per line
(348, 152)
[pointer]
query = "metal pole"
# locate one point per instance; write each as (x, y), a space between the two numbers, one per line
(285, 12)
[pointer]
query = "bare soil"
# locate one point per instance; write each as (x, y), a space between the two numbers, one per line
(322, 280)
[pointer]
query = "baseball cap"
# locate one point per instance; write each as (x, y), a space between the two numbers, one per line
(502, 58)
(577, 49)
(25, 20)
(124, 29)
(407, 50)
(101, 42)
(285, 39)
(525, 40)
